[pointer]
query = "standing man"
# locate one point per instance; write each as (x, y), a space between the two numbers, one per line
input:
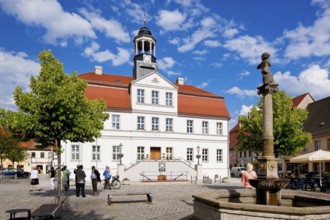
(80, 175)
(52, 178)
(95, 177)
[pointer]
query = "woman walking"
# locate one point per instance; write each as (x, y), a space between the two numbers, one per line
(95, 177)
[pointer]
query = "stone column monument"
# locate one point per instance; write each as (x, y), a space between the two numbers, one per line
(268, 185)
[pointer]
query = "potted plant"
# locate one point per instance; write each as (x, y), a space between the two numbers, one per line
(225, 180)
(126, 181)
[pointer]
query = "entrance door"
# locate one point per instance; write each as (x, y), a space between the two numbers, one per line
(155, 153)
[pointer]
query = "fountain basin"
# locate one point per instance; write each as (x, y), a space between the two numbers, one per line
(239, 204)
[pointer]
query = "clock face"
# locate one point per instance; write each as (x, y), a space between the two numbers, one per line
(147, 58)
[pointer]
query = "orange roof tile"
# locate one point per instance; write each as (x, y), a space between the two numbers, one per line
(115, 98)
(233, 136)
(107, 79)
(297, 100)
(191, 100)
(197, 105)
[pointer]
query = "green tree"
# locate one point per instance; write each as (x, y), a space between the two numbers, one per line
(17, 154)
(55, 109)
(289, 137)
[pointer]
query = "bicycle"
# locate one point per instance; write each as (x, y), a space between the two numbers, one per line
(115, 183)
(207, 180)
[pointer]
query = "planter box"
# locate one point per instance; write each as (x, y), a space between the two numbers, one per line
(161, 177)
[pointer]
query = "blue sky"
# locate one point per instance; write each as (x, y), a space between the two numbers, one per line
(215, 44)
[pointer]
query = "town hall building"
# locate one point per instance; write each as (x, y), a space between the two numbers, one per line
(156, 128)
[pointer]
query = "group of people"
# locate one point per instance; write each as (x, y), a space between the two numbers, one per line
(80, 179)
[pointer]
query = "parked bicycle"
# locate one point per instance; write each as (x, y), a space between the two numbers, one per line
(114, 183)
(207, 179)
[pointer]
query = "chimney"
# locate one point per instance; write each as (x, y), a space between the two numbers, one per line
(180, 81)
(98, 70)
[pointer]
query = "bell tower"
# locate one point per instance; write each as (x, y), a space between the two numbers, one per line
(144, 53)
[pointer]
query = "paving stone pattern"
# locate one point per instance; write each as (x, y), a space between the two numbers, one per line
(170, 200)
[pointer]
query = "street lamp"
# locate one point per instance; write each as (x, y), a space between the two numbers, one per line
(120, 146)
(198, 155)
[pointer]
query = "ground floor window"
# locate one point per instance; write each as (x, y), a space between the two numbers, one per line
(205, 155)
(75, 152)
(96, 152)
(140, 153)
(190, 154)
(169, 153)
(115, 153)
(219, 155)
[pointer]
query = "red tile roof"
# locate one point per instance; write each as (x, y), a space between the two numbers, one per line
(115, 98)
(114, 89)
(297, 100)
(233, 136)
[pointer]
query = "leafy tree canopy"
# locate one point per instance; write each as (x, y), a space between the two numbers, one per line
(55, 108)
(289, 137)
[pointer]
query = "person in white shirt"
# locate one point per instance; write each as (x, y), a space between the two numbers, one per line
(34, 179)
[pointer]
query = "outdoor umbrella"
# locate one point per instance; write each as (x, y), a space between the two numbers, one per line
(315, 156)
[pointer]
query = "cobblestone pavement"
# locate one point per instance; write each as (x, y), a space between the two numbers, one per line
(170, 200)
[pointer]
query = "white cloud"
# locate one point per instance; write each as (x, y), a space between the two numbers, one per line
(15, 70)
(313, 80)
(245, 110)
(170, 20)
(174, 41)
(172, 73)
(111, 28)
(137, 14)
(212, 43)
(199, 58)
(231, 32)
(93, 53)
(208, 28)
(250, 48)
(312, 40)
(243, 74)
(166, 64)
(48, 14)
(200, 52)
(216, 65)
(242, 93)
(203, 85)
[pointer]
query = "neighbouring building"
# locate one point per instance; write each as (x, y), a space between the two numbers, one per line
(318, 124)
(155, 126)
(241, 158)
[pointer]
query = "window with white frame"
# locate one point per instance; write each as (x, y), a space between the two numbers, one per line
(115, 153)
(205, 155)
(169, 153)
(190, 154)
(219, 128)
(140, 153)
(169, 124)
(317, 144)
(140, 123)
(205, 127)
(96, 153)
(116, 121)
(169, 99)
(75, 152)
(155, 123)
(154, 97)
(190, 126)
(42, 154)
(140, 95)
(33, 154)
(219, 155)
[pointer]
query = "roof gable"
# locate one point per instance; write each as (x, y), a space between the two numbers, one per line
(154, 79)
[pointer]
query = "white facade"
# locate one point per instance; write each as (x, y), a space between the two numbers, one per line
(151, 127)
(211, 144)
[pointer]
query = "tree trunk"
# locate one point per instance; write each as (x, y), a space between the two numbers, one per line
(59, 176)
